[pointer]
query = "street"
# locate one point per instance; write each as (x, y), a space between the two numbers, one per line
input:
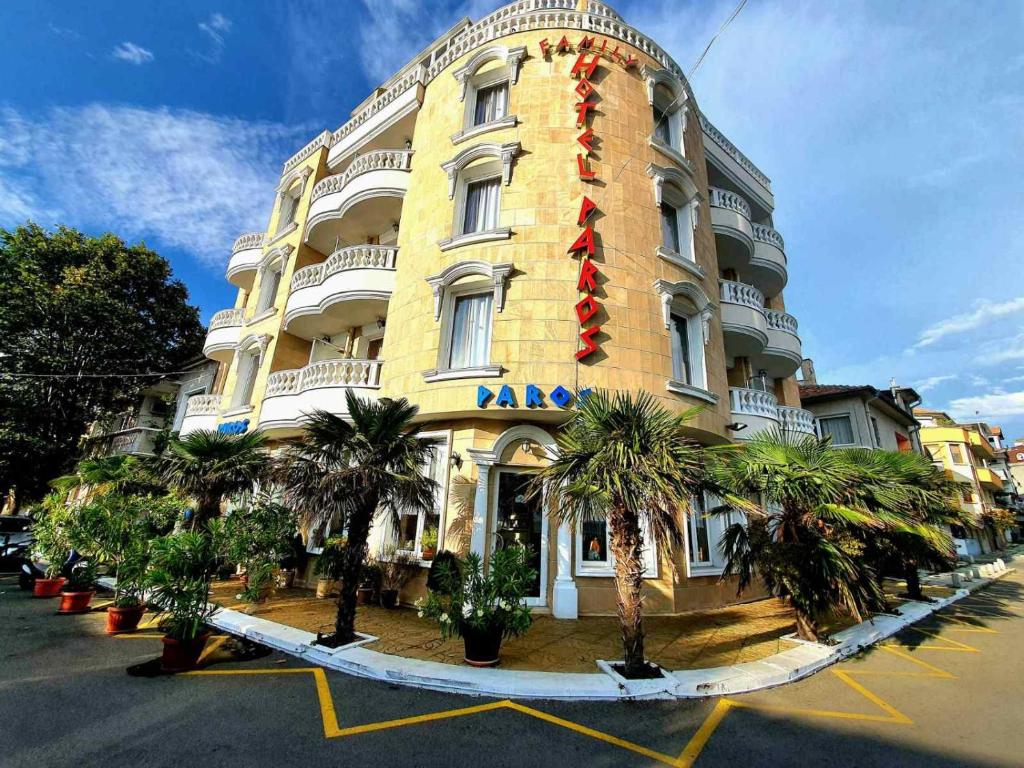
(945, 692)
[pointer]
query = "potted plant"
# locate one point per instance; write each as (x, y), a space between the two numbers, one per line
(428, 543)
(329, 566)
(369, 582)
(256, 537)
(181, 565)
(396, 570)
(52, 545)
(482, 609)
(291, 563)
(77, 592)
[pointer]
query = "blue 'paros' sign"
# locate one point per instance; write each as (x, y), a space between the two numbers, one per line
(534, 397)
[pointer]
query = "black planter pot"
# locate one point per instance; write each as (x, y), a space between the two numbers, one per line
(482, 645)
(389, 598)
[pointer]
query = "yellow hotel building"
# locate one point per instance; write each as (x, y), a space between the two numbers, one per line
(422, 250)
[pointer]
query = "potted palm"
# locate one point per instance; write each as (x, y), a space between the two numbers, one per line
(52, 547)
(396, 570)
(77, 592)
(329, 566)
(428, 542)
(179, 574)
(369, 582)
(257, 537)
(482, 609)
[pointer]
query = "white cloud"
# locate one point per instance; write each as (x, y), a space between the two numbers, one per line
(185, 179)
(930, 383)
(1000, 350)
(988, 406)
(132, 53)
(216, 28)
(982, 313)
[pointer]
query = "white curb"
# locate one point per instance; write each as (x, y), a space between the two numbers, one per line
(785, 667)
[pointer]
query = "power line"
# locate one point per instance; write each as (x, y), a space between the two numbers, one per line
(11, 375)
(716, 35)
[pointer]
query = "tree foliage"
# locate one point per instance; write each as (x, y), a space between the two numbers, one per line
(77, 306)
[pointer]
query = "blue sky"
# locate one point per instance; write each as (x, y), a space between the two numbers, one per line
(893, 134)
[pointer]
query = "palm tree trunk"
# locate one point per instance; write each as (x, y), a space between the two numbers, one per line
(355, 555)
(913, 582)
(626, 545)
(806, 625)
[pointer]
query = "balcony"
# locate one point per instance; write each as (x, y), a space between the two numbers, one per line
(783, 353)
(223, 335)
(989, 479)
(761, 410)
(392, 111)
(371, 189)
(351, 288)
(758, 410)
(796, 420)
(767, 268)
(734, 234)
(744, 324)
(979, 445)
(126, 432)
(246, 254)
(724, 155)
(201, 413)
(291, 395)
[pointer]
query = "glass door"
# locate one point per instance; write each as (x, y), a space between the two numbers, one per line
(520, 521)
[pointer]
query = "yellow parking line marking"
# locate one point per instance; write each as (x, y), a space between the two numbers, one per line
(696, 744)
(969, 626)
(953, 645)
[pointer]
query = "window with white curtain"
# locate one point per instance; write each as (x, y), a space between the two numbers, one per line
(245, 380)
(471, 330)
(699, 534)
(482, 200)
(838, 427)
(269, 284)
(682, 367)
(662, 125)
(491, 103)
(412, 524)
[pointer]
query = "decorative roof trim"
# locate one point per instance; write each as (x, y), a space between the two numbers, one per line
(513, 58)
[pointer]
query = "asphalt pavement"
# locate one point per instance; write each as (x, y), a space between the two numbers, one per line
(945, 692)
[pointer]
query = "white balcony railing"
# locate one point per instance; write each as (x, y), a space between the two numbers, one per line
(796, 420)
(741, 293)
(733, 151)
(248, 241)
(227, 318)
(765, 234)
(326, 373)
(753, 402)
(352, 257)
(408, 81)
(723, 198)
(780, 321)
(202, 405)
(378, 160)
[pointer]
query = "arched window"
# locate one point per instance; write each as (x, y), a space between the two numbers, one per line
(289, 192)
(270, 273)
(248, 359)
(687, 314)
(668, 99)
(466, 297)
(486, 81)
(475, 178)
(678, 205)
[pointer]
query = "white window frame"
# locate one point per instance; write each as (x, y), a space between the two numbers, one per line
(485, 172)
(606, 568)
(442, 441)
(291, 196)
(542, 600)
(687, 300)
(843, 414)
(716, 525)
(491, 79)
(475, 288)
(472, 79)
(250, 360)
(686, 223)
(676, 107)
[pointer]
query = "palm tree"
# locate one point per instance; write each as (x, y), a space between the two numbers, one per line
(929, 499)
(344, 474)
(629, 461)
(809, 508)
(208, 466)
(118, 473)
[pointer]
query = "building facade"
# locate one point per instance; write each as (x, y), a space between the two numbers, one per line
(160, 409)
(968, 457)
(864, 417)
(533, 206)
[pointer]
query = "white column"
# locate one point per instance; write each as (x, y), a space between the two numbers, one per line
(484, 461)
(563, 598)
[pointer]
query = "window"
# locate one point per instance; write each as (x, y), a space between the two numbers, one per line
(491, 103)
(681, 368)
(482, 199)
(471, 331)
(670, 227)
(248, 367)
(957, 454)
(286, 211)
(662, 124)
(699, 539)
(594, 555)
(413, 524)
(269, 284)
(838, 428)
(874, 428)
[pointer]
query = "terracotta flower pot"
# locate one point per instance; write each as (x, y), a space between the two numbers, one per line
(364, 595)
(389, 598)
(324, 587)
(428, 554)
(482, 645)
(75, 602)
(48, 587)
(182, 655)
(124, 619)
